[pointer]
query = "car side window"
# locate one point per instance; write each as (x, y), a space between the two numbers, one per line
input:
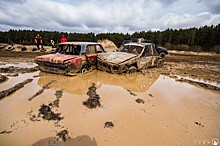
(147, 51)
(99, 49)
(90, 49)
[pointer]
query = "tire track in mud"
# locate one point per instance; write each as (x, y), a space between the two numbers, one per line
(46, 112)
(11, 90)
(41, 90)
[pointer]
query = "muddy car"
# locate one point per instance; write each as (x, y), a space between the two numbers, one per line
(71, 58)
(161, 50)
(131, 58)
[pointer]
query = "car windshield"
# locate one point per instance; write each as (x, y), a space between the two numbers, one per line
(132, 49)
(69, 49)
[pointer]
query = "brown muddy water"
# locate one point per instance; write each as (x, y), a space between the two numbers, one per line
(135, 110)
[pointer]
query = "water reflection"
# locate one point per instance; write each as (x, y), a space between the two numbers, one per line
(80, 84)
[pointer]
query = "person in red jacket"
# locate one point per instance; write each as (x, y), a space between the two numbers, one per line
(63, 39)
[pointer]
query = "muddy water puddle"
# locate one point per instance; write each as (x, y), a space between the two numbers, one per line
(56, 115)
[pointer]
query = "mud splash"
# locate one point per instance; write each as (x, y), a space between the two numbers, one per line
(11, 90)
(93, 100)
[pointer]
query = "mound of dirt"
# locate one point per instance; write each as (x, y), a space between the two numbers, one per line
(94, 98)
(108, 45)
(48, 114)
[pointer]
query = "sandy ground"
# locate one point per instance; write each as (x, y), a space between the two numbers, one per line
(173, 112)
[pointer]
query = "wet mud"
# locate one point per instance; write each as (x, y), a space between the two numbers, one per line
(199, 124)
(3, 78)
(11, 90)
(55, 103)
(140, 101)
(47, 114)
(63, 135)
(94, 100)
(109, 125)
(5, 132)
(132, 93)
(203, 85)
(180, 112)
(41, 90)
(12, 69)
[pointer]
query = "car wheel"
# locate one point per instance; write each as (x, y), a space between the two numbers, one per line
(84, 69)
(132, 69)
(159, 63)
(162, 55)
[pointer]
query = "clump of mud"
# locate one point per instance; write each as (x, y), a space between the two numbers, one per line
(140, 101)
(12, 69)
(3, 78)
(203, 85)
(55, 103)
(41, 90)
(108, 125)
(63, 135)
(132, 93)
(5, 132)
(11, 90)
(200, 124)
(48, 114)
(93, 100)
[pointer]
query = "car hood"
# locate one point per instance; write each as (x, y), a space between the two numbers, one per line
(116, 57)
(55, 58)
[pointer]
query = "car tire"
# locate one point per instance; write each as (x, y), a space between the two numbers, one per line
(131, 70)
(160, 63)
(162, 55)
(84, 69)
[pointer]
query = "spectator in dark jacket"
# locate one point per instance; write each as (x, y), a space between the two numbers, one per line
(39, 42)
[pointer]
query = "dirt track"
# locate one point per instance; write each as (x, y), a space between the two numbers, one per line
(148, 108)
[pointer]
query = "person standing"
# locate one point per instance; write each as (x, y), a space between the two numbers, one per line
(39, 42)
(63, 39)
(53, 44)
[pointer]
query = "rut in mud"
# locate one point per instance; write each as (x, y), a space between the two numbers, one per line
(11, 90)
(12, 69)
(203, 85)
(41, 90)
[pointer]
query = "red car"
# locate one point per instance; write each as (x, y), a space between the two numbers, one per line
(71, 58)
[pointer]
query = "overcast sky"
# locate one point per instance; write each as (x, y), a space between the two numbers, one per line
(107, 15)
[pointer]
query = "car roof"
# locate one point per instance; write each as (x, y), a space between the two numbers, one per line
(138, 44)
(79, 43)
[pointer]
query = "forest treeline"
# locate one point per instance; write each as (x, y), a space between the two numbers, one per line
(206, 38)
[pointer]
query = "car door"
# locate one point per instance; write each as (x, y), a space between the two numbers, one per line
(145, 59)
(91, 55)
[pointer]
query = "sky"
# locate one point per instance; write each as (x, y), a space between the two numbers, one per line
(101, 16)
